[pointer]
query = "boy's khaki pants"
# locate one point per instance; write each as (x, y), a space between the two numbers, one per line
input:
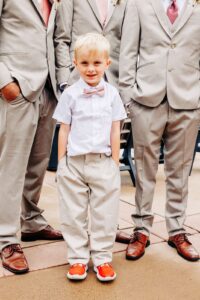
(90, 181)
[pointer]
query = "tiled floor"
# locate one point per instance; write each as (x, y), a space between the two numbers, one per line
(45, 255)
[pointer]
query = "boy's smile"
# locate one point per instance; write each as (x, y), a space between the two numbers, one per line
(91, 64)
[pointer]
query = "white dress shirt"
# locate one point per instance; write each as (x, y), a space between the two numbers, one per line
(180, 4)
(90, 117)
(109, 3)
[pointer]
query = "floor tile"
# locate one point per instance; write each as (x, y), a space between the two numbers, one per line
(160, 230)
(193, 221)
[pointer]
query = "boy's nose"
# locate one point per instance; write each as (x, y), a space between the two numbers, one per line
(91, 68)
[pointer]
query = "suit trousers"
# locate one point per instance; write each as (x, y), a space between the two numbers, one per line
(89, 184)
(178, 128)
(26, 130)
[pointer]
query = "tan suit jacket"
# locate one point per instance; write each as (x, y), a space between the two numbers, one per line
(83, 17)
(26, 51)
(161, 58)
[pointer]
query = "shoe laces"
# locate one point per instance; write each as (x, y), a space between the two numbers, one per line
(135, 236)
(15, 248)
(10, 249)
(181, 238)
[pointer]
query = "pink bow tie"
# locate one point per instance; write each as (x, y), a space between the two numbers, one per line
(100, 91)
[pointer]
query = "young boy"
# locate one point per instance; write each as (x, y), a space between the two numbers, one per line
(113, 19)
(88, 176)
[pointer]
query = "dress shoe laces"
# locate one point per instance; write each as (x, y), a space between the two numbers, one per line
(136, 236)
(181, 238)
(9, 250)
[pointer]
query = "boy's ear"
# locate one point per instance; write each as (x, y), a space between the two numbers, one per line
(74, 61)
(108, 62)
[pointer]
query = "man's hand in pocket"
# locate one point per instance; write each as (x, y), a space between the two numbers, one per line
(11, 91)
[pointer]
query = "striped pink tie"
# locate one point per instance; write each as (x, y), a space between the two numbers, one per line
(172, 11)
(46, 9)
(103, 10)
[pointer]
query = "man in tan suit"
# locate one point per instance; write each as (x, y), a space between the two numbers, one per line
(106, 17)
(103, 16)
(162, 89)
(30, 70)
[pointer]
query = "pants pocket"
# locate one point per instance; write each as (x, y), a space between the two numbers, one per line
(19, 99)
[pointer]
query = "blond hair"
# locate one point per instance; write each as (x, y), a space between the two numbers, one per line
(92, 41)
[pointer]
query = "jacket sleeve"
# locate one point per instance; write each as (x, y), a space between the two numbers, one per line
(62, 40)
(129, 51)
(5, 76)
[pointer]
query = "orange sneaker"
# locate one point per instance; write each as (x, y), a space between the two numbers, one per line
(77, 272)
(105, 272)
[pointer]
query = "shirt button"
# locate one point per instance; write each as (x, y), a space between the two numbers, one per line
(173, 46)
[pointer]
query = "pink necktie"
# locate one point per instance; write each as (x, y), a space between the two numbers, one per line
(96, 91)
(172, 11)
(103, 10)
(46, 9)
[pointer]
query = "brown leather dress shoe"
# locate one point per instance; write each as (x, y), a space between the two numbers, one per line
(47, 233)
(137, 245)
(183, 246)
(122, 237)
(13, 259)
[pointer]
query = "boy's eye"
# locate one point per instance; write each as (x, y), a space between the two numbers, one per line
(97, 62)
(84, 63)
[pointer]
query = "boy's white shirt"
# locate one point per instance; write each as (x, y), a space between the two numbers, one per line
(90, 117)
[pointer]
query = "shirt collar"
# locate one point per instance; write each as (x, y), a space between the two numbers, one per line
(84, 85)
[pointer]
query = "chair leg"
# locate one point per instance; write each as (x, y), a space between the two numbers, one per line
(196, 149)
(192, 161)
(132, 170)
(127, 161)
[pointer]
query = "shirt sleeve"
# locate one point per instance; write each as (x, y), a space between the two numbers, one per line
(63, 110)
(118, 110)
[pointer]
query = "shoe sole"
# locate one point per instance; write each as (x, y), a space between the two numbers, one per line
(17, 272)
(137, 257)
(33, 239)
(122, 242)
(77, 277)
(171, 244)
(104, 279)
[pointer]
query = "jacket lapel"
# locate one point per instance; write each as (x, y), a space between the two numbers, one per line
(162, 16)
(52, 14)
(94, 7)
(110, 12)
(185, 15)
(37, 6)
